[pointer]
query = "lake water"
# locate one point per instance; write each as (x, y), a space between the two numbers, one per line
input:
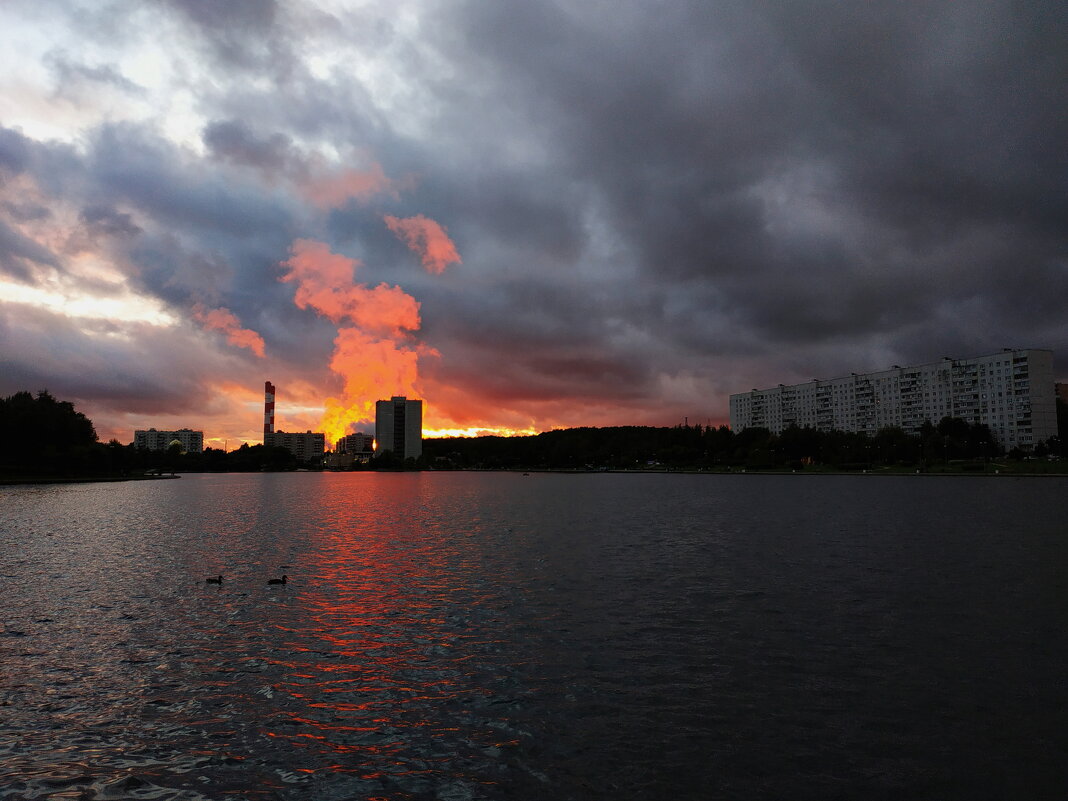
(499, 636)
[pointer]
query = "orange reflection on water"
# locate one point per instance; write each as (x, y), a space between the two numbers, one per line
(378, 661)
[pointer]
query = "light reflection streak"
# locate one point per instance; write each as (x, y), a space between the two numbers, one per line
(377, 668)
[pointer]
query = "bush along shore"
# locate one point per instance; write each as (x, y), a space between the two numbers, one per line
(951, 446)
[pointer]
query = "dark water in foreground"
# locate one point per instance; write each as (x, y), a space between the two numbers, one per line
(484, 636)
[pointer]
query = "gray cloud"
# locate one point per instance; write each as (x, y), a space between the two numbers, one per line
(71, 73)
(19, 253)
(240, 34)
(14, 151)
(22, 211)
(106, 221)
(235, 141)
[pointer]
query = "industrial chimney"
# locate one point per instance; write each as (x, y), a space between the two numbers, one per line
(268, 410)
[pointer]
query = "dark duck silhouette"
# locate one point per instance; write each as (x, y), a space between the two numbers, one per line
(277, 581)
(216, 580)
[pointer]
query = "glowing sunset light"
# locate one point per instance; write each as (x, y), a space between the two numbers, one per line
(481, 431)
(124, 307)
(375, 355)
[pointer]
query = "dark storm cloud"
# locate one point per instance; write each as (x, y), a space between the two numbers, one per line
(240, 34)
(105, 220)
(145, 171)
(235, 141)
(211, 233)
(55, 168)
(562, 341)
(239, 18)
(829, 173)
(21, 211)
(583, 374)
(15, 151)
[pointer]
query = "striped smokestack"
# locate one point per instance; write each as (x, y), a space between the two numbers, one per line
(268, 409)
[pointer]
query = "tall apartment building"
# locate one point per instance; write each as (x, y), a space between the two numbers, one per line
(153, 440)
(399, 427)
(306, 446)
(1011, 391)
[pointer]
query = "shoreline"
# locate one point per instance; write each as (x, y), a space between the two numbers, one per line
(811, 473)
(26, 480)
(29, 481)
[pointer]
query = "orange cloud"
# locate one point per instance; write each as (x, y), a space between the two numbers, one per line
(331, 191)
(325, 284)
(224, 320)
(374, 355)
(426, 238)
(373, 369)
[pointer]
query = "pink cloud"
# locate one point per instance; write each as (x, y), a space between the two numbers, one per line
(333, 190)
(427, 238)
(225, 321)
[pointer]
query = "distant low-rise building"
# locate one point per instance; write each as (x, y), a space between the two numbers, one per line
(1011, 391)
(355, 443)
(350, 450)
(399, 427)
(307, 446)
(158, 440)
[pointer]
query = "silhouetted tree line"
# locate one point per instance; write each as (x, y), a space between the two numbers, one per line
(246, 459)
(697, 447)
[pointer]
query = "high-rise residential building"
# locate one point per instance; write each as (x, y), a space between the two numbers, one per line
(307, 446)
(152, 440)
(399, 427)
(1012, 392)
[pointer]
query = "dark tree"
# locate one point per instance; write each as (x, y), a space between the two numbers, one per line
(43, 435)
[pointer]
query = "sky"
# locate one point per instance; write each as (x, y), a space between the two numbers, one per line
(529, 214)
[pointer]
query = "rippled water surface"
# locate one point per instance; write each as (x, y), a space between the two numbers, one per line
(483, 636)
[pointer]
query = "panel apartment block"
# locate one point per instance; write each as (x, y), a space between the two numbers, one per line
(153, 440)
(1011, 391)
(306, 446)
